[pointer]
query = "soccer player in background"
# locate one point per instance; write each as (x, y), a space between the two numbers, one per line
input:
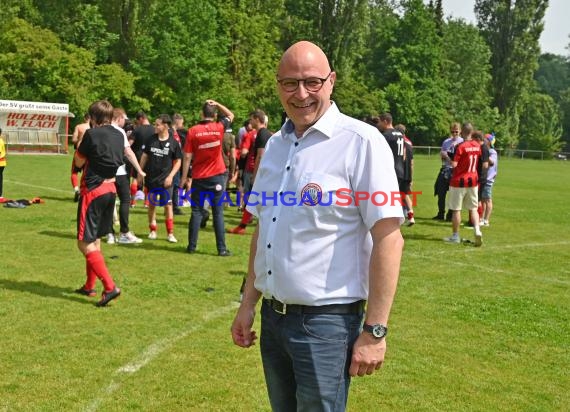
(203, 149)
(395, 139)
(463, 184)
(161, 161)
(487, 192)
(100, 153)
(78, 133)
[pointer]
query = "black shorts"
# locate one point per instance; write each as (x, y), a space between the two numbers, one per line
(404, 185)
(95, 212)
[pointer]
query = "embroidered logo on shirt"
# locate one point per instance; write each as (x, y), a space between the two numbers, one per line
(311, 194)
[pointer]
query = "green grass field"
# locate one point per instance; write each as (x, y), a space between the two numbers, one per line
(472, 329)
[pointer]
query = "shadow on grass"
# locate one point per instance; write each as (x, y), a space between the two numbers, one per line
(63, 235)
(428, 238)
(464, 242)
(42, 289)
(152, 245)
(238, 273)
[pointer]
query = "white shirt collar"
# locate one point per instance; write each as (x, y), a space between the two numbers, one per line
(324, 125)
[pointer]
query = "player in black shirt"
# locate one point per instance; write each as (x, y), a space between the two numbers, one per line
(408, 175)
(100, 154)
(141, 134)
(396, 142)
(402, 163)
(161, 160)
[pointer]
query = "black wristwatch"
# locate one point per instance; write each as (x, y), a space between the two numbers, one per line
(378, 331)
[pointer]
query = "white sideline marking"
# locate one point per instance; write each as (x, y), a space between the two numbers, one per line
(152, 352)
(457, 248)
(39, 187)
(523, 245)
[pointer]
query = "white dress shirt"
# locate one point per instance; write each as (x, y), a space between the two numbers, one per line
(317, 251)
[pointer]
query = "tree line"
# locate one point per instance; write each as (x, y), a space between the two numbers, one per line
(405, 57)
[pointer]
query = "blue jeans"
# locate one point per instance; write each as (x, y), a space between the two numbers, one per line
(306, 359)
(247, 181)
(208, 189)
(175, 190)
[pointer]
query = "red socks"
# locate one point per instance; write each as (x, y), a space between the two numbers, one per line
(91, 276)
(246, 218)
(146, 202)
(96, 265)
(169, 226)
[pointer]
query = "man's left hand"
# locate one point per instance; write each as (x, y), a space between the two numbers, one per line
(367, 355)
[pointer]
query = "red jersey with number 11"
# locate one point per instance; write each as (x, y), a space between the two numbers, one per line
(467, 156)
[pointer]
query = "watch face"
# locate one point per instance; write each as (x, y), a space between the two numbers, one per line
(379, 331)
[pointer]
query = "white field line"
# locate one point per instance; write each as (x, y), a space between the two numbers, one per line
(150, 353)
(53, 189)
(459, 249)
(523, 245)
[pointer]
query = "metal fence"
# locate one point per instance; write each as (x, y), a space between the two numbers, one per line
(511, 153)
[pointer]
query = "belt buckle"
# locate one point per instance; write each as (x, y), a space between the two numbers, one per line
(283, 309)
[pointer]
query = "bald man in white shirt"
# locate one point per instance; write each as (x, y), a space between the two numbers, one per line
(321, 250)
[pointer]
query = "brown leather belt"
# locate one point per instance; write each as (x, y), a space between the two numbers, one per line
(354, 308)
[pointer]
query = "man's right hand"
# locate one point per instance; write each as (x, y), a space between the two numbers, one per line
(242, 334)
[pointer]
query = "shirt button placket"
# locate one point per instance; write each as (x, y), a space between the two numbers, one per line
(271, 233)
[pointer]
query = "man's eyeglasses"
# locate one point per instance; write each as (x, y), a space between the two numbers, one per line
(312, 84)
